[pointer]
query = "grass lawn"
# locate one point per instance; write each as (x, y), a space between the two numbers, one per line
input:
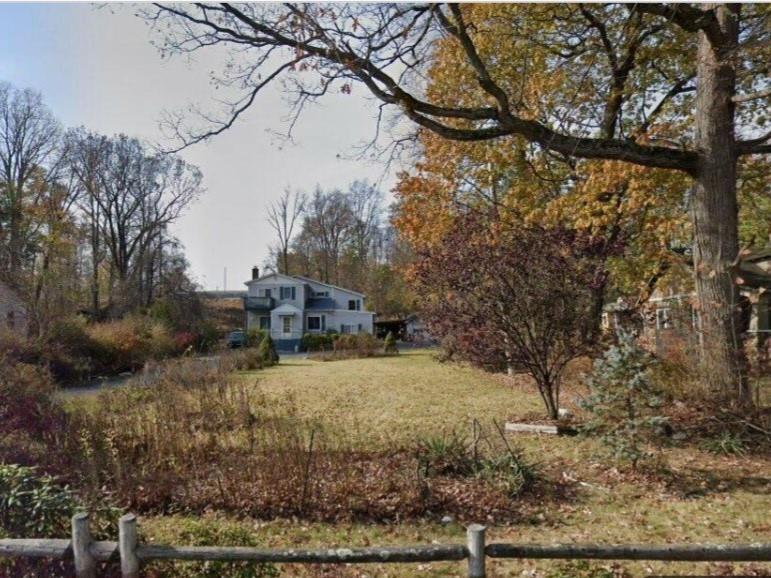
(394, 398)
(707, 498)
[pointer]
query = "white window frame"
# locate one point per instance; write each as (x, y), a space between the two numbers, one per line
(286, 321)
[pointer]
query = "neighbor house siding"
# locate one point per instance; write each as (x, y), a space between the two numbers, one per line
(13, 312)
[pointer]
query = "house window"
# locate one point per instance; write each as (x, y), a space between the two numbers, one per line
(314, 323)
(286, 324)
(288, 293)
(268, 293)
(663, 319)
(360, 327)
(354, 305)
(264, 322)
(321, 293)
(346, 328)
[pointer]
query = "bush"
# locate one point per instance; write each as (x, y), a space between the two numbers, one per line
(70, 352)
(246, 359)
(363, 344)
(34, 505)
(449, 455)
(726, 443)
(255, 336)
(30, 418)
(389, 345)
(317, 342)
(623, 403)
(266, 351)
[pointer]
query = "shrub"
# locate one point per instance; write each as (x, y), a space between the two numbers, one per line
(449, 455)
(70, 352)
(444, 455)
(726, 443)
(389, 345)
(34, 505)
(317, 342)
(513, 297)
(266, 351)
(246, 359)
(30, 418)
(363, 344)
(623, 403)
(255, 336)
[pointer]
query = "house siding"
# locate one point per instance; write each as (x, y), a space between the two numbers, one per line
(13, 311)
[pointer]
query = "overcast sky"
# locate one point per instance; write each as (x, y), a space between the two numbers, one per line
(97, 68)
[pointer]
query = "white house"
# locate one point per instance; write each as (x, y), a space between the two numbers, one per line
(291, 306)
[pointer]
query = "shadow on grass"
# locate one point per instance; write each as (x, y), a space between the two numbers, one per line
(700, 482)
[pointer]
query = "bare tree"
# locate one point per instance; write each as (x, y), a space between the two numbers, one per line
(635, 62)
(29, 136)
(282, 216)
(328, 220)
(366, 202)
(137, 196)
(86, 160)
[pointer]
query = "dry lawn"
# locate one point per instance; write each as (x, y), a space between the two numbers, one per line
(703, 498)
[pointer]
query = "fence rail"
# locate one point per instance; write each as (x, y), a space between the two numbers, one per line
(86, 552)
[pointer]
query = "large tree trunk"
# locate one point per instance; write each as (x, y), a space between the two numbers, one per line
(715, 211)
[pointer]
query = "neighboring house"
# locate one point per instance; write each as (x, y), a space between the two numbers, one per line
(416, 329)
(13, 311)
(291, 306)
(671, 311)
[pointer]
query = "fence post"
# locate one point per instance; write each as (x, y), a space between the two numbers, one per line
(85, 563)
(127, 544)
(475, 535)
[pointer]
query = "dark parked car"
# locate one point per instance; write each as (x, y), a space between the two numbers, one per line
(236, 338)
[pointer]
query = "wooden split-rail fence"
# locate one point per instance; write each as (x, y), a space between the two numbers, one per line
(86, 552)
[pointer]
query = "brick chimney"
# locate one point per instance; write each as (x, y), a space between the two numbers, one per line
(255, 272)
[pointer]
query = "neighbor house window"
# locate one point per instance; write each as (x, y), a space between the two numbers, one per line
(288, 293)
(264, 322)
(314, 323)
(354, 305)
(663, 319)
(287, 324)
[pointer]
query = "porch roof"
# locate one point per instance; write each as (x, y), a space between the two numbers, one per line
(287, 310)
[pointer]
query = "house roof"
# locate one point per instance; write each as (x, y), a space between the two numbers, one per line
(754, 276)
(758, 255)
(268, 276)
(309, 280)
(304, 280)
